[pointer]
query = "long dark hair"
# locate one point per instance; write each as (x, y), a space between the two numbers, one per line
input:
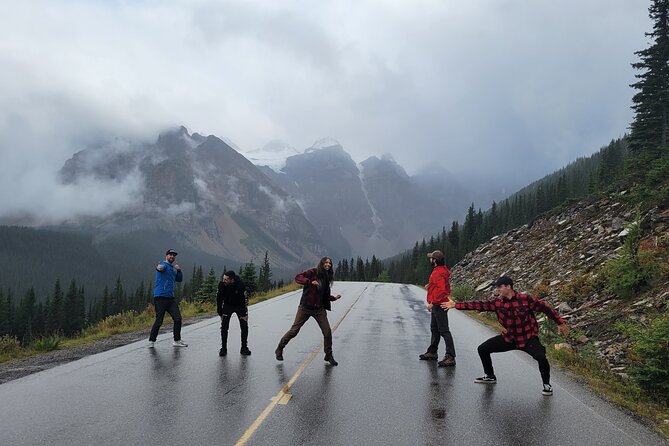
(325, 276)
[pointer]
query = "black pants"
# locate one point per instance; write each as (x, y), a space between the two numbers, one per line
(170, 306)
(439, 329)
(243, 324)
(533, 347)
(303, 314)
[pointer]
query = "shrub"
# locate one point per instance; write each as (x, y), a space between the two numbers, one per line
(46, 344)
(384, 276)
(634, 269)
(650, 350)
(542, 289)
(9, 345)
(464, 292)
(577, 289)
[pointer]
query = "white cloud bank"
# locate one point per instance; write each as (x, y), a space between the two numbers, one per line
(476, 85)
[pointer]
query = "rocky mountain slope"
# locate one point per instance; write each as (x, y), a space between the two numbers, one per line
(373, 207)
(204, 193)
(559, 257)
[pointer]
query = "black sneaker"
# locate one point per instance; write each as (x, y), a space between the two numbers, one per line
(486, 380)
(329, 358)
(223, 352)
(245, 351)
(279, 353)
(547, 390)
(448, 361)
(428, 356)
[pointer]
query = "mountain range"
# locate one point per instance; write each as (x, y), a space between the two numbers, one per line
(198, 194)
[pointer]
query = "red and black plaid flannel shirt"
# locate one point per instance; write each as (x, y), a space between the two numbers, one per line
(515, 314)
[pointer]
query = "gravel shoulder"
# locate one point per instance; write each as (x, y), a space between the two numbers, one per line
(25, 366)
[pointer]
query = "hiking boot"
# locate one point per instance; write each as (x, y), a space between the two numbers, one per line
(245, 351)
(448, 361)
(179, 343)
(486, 380)
(547, 390)
(428, 356)
(279, 353)
(223, 351)
(152, 344)
(329, 358)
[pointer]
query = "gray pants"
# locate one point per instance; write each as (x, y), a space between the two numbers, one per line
(303, 314)
(439, 329)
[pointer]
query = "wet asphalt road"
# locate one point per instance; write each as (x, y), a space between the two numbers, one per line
(380, 394)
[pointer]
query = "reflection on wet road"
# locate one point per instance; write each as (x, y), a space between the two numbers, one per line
(379, 394)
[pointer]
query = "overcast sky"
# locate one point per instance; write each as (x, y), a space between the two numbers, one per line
(478, 86)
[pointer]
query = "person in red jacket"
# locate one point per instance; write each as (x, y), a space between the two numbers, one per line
(438, 292)
(515, 312)
(315, 302)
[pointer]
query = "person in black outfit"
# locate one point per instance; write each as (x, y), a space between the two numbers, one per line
(231, 298)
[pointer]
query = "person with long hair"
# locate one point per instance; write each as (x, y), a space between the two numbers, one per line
(315, 302)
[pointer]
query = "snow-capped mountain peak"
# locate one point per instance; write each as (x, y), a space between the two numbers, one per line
(272, 155)
(323, 144)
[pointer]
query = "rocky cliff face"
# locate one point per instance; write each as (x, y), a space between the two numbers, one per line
(557, 253)
(362, 209)
(205, 194)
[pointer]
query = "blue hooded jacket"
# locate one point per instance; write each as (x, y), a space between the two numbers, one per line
(165, 280)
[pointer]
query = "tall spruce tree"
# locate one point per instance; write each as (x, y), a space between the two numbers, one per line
(56, 313)
(5, 313)
(209, 288)
(650, 128)
(249, 277)
(265, 275)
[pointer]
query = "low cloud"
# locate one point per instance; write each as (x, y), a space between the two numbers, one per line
(475, 85)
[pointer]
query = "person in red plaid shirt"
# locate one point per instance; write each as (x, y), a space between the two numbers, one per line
(515, 312)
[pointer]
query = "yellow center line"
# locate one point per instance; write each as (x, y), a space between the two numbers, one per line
(258, 421)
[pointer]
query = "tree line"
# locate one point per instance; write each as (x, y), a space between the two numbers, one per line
(597, 173)
(65, 312)
(638, 162)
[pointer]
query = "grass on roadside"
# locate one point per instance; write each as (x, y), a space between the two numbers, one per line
(126, 322)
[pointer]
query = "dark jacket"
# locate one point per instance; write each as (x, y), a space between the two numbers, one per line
(314, 296)
(231, 296)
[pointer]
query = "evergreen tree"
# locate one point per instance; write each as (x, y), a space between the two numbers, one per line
(650, 128)
(249, 277)
(117, 303)
(56, 316)
(105, 309)
(26, 317)
(359, 270)
(209, 288)
(5, 312)
(265, 276)
(74, 310)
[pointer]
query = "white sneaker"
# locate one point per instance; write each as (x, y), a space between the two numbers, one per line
(179, 343)
(152, 344)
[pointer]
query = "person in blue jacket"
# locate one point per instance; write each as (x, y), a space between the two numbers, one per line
(167, 273)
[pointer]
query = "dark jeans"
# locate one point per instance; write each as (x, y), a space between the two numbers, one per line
(243, 324)
(497, 344)
(439, 329)
(303, 314)
(170, 306)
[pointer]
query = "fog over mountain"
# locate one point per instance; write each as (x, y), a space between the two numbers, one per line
(476, 87)
(211, 199)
